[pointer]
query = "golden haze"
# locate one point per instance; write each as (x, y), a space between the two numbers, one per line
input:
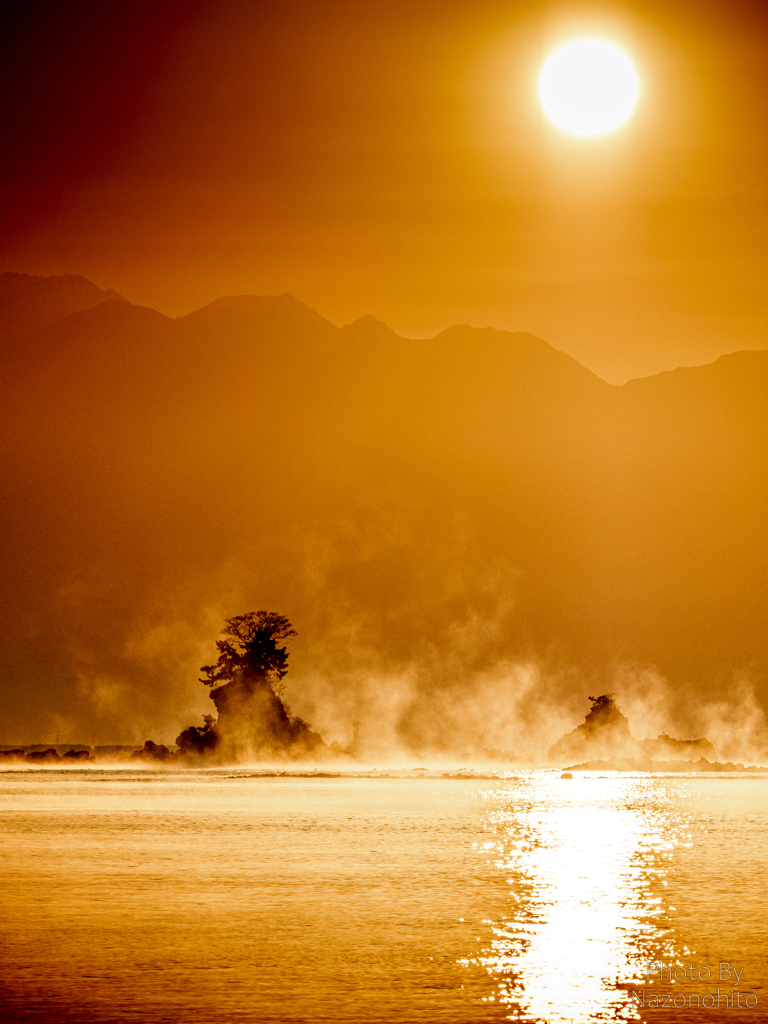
(468, 531)
(394, 160)
(474, 505)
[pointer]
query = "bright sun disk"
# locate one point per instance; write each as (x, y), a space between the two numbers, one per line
(588, 87)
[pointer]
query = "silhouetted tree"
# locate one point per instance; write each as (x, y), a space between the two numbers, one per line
(253, 721)
(251, 651)
(604, 702)
(604, 711)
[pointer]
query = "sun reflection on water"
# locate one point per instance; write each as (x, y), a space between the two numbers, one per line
(584, 860)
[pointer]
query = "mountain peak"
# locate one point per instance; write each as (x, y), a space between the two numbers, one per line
(369, 326)
(244, 310)
(29, 303)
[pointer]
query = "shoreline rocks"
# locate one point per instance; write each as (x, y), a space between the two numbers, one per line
(629, 764)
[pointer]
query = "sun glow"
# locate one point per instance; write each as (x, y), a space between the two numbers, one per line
(588, 87)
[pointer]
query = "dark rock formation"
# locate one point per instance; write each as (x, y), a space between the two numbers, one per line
(629, 764)
(665, 748)
(199, 742)
(604, 733)
(42, 756)
(152, 752)
(253, 724)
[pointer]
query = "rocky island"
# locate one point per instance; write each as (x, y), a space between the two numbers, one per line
(253, 722)
(604, 739)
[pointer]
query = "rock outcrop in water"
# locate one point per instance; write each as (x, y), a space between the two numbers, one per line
(665, 748)
(604, 736)
(604, 733)
(152, 752)
(46, 756)
(645, 764)
(253, 722)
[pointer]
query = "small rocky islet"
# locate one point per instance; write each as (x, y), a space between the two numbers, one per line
(604, 742)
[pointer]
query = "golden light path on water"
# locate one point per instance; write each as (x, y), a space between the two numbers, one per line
(585, 860)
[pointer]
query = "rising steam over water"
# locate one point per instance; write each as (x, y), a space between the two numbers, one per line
(470, 533)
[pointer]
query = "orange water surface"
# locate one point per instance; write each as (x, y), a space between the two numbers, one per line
(217, 896)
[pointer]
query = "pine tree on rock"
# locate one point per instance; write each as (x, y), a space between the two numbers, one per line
(246, 687)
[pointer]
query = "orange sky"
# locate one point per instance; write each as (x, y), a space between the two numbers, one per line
(391, 158)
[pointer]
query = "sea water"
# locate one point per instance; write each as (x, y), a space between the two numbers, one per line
(240, 895)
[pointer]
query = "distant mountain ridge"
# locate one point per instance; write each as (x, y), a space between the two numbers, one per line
(454, 503)
(29, 303)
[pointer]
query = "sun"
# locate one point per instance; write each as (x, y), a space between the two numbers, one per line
(588, 87)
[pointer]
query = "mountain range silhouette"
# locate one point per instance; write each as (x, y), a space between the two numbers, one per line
(30, 303)
(252, 451)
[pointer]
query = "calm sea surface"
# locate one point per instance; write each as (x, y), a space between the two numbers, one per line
(213, 896)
